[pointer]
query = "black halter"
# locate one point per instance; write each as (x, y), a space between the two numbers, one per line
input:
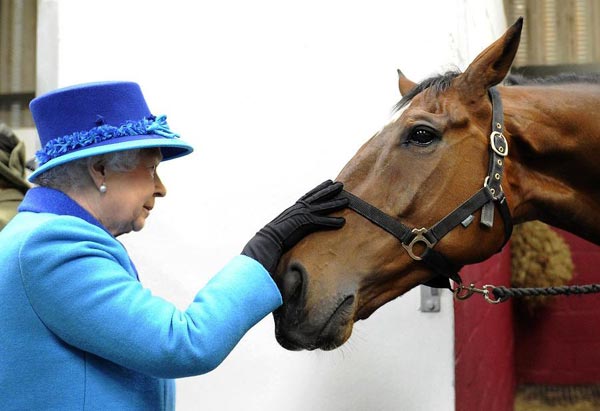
(489, 195)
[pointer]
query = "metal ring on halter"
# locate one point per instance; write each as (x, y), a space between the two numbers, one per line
(495, 195)
(418, 238)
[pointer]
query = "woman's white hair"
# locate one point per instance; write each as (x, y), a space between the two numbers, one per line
(74, 175)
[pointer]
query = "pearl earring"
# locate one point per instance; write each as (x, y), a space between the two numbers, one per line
(102, 188)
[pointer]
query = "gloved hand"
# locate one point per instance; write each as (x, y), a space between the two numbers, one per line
(308, 215)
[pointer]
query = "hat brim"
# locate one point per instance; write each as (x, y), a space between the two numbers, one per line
(170, 147)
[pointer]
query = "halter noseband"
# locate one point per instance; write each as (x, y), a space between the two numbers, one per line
(486, 198)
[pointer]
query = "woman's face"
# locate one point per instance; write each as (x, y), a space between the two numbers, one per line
(130, 195)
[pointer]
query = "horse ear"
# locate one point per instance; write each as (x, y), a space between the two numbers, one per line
(492, 64)
(404, 84)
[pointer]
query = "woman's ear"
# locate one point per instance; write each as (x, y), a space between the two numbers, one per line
(97, 172)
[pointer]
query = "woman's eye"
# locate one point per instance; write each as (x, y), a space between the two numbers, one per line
(421, 137)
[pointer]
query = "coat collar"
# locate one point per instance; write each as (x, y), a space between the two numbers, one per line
(49, 200)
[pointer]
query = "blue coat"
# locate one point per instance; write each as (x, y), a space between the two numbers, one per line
(79, 331)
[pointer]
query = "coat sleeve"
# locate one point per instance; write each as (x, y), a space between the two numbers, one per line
(75, 280)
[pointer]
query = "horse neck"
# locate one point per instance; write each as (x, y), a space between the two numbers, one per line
(552, 171)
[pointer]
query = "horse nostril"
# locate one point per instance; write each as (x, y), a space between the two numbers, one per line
(292, 283)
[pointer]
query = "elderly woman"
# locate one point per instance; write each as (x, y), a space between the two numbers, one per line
(79, 331)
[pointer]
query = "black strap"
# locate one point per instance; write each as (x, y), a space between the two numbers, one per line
(443, 267)
(448, 223)
(506, 219)
(377, 217)
(437, 262)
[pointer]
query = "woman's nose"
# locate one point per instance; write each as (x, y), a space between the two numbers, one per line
(159, 188)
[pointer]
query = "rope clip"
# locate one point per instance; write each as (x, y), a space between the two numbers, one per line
(462, 292)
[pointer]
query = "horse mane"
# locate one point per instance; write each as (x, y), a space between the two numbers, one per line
(561, 78)
(438, 83)
(441, 82)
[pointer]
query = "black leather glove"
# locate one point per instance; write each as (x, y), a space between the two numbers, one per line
(308, 215)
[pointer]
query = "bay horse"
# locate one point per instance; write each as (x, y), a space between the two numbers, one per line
(464, 158)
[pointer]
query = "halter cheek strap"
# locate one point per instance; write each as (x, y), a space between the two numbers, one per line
(487, 199)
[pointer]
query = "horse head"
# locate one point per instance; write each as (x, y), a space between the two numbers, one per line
(431, 157)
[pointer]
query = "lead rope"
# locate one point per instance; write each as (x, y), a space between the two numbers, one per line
(496, 295)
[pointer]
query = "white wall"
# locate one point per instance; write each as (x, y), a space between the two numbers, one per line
(276, 96)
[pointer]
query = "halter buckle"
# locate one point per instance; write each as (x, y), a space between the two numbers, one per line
(418, 238)
(499, 143)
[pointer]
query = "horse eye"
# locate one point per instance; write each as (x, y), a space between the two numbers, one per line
(421, 137)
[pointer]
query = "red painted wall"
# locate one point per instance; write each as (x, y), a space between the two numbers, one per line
(484, 349)
(497, 349)
(561, 343)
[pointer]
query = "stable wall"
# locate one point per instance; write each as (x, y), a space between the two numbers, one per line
(485, 341)
(276, 97)
(559, 343)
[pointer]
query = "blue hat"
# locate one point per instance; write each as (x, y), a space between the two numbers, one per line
(97, 118)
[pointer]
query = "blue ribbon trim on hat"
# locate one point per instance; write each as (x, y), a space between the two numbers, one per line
(62, 145)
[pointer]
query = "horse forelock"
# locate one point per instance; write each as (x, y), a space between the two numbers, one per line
(438, 84)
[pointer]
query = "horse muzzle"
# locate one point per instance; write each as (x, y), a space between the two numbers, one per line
(324, 325)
